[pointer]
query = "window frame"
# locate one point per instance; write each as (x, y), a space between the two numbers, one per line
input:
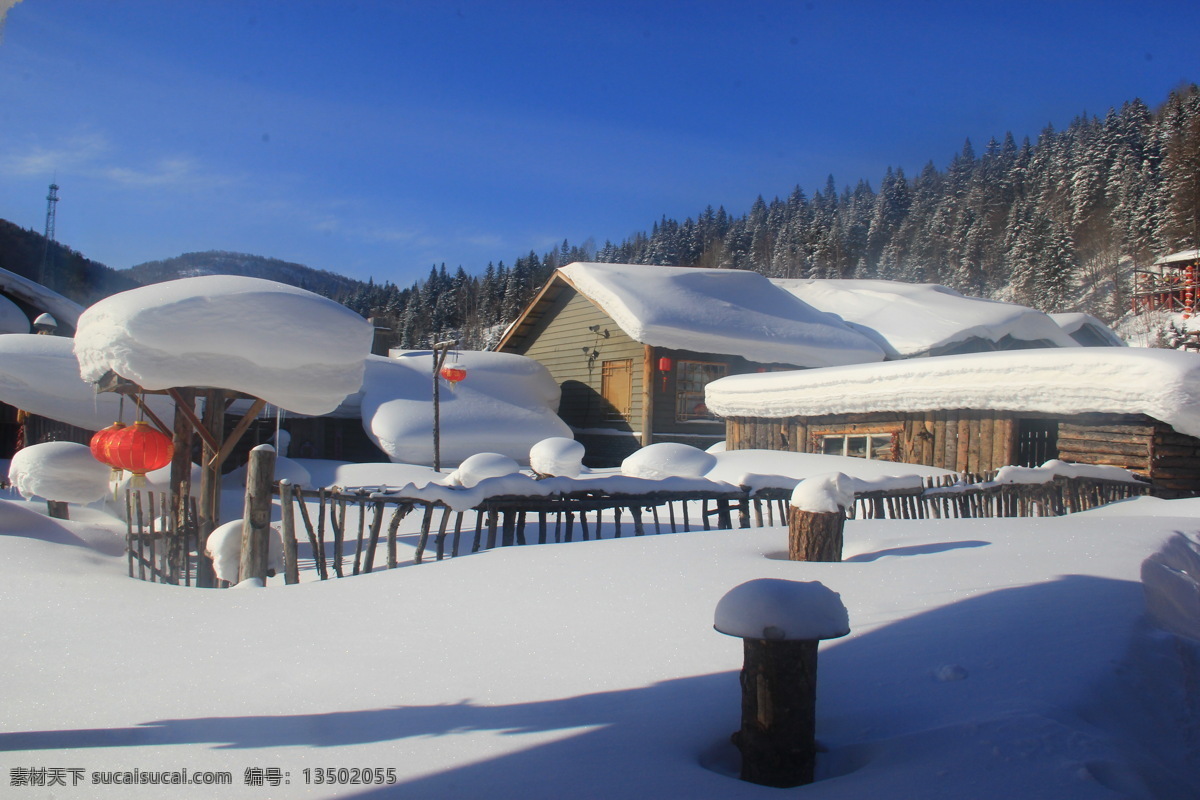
(685, 397)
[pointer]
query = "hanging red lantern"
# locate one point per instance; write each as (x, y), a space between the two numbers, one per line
(99, 441)
(665, 364)
(139, 449)
(453, 374)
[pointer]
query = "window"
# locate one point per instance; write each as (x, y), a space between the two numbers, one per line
(690, 379)
(616, 387)
(876, 446)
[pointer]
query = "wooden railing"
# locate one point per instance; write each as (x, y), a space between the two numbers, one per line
(344, 543)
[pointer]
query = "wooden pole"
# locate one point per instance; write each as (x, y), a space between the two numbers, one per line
(287, 523)
(213, 424)
(256, 528)
(777, 739)
(815, 535)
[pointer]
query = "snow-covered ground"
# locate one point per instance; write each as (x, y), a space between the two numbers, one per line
(987, 659)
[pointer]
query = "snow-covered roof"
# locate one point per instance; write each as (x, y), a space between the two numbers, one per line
(1163, 384)
(914, 319)
(506, 404)
(295, 349)
(726, 311)
(1182, 255)
(1088, 330)
(64, 310)
(40, 374)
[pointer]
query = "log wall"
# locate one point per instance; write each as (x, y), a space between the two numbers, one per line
(979, 441)
(974, 441)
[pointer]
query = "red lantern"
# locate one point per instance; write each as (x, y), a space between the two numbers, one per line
(139, 449)
(665, 364)
(453, 374)
(99, 441)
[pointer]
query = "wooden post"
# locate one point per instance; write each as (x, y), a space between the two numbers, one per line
(57, 509)
(815, 535)
(210, 484)
(777, 739)
(256, 528)
(181, 481)
(287, 524)
(780, 623)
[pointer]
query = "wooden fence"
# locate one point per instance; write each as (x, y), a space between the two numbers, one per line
(340, 548)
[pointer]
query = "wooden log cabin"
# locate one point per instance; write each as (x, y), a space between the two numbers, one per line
(1132, 408)
(633, 347)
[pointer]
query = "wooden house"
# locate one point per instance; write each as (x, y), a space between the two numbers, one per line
(1126, 407)
(1171, 283)
(633, 347)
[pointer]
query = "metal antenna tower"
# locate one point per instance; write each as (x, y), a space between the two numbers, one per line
(51, 203)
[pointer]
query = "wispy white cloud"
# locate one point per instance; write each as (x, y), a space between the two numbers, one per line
(91, 155)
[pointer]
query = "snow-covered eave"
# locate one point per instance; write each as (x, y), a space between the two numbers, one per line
(1182, 255)
(1161, 384)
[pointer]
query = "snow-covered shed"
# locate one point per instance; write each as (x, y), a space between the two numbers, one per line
(925, 319)
(1128, 407)
(633, 347)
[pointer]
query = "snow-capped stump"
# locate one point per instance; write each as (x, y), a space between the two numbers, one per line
(59, 472)
(557, 456)
(668, 460)
(817, 515)
(780, 623)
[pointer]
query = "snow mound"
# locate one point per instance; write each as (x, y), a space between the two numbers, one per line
(40, 374)
(913, 319)
(62, 471)
(480, 467)
(780, 610)
(224, 547)
(1171, 582)
(729, 311)
(295, 349)
(1163, 384)
(668, 460)
(506, 404)
(557, 455)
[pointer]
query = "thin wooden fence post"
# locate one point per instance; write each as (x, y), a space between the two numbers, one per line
(287, 524)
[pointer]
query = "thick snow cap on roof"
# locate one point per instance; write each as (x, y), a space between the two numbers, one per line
(727, 311)
(1182, 255)
(295, 349)
(40, 374)
(1164, 384)
(914, 319)
(506, 404)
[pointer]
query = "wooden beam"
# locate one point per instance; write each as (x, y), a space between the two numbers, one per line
(185, 408)
(232, 439)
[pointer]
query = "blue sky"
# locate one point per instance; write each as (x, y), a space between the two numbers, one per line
(378, 138)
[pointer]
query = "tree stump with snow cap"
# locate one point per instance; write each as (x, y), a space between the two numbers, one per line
(780, 623)
(817, 517)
